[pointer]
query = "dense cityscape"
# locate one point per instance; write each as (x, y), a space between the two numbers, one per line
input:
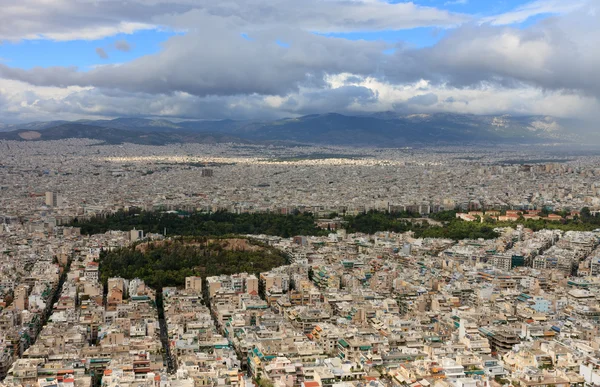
(89, 179)
(336, 307)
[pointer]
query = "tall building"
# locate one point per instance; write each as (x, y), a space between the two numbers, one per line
(21, 300)
(135, 235)
(53, 199)
(251, 284)
(193, 283)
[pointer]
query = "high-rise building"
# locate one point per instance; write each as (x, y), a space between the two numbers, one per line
(135, 235)
(193, 283)
(53, 199)
(251, 284)
(21, 300)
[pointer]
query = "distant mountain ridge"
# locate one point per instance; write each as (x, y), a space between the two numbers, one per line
(117, 136)
(386, 129)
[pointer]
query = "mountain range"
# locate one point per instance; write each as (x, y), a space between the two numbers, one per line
(381, 129)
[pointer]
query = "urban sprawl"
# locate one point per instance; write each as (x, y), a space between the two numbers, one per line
(347, 310)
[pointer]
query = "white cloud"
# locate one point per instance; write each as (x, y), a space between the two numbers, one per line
(485, 99)
(535, 8)
(93, 33)
(457, 2)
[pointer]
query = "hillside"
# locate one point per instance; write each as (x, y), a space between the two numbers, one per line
(380, 129)
(118, 136)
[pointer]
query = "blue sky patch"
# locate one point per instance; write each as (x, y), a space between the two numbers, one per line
(82, 53)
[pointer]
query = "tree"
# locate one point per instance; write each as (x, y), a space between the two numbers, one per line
(489, 219)
(265, 383)
(261, 289)
(168, 264)
(585, 213)
(444, 216)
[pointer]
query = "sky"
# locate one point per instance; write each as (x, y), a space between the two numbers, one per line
(266, 59)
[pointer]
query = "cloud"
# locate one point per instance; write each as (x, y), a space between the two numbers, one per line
(92, 19)
(423, 99)
(122, 45)
(20, 101)
(343, 93)
(210, 71)
(344, 99)
(555, 54)
(63, 20)
(457, 2)
(539, 7)
(318, 15)
(200, 64)
(101, 53)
